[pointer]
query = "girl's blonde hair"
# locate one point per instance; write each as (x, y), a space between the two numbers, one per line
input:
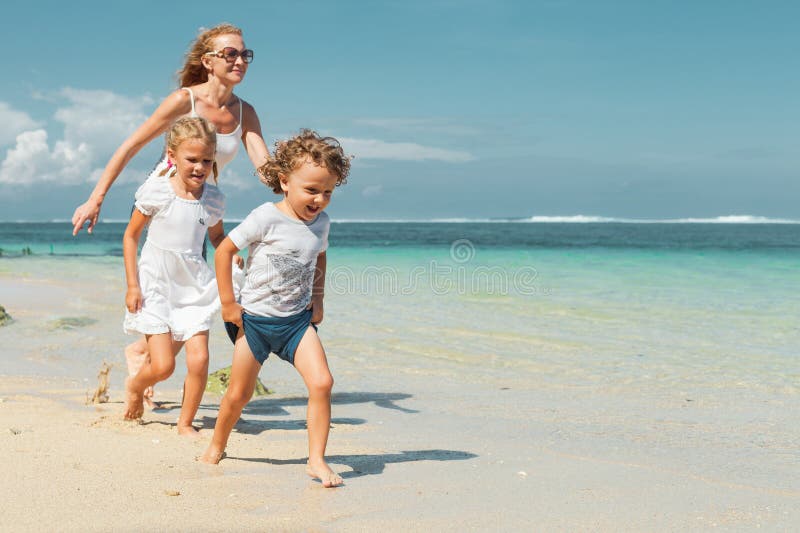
(190, 128)
(306, 146)
(193, 71)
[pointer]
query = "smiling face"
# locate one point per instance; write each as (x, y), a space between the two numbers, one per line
(233, 72)
(307, 191)
(194, 162)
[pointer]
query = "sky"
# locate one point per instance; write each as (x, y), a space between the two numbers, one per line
(452, 109)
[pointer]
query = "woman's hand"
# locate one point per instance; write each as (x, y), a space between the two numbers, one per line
(90, 210)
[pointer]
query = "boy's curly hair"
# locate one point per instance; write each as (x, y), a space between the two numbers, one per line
(307, 145)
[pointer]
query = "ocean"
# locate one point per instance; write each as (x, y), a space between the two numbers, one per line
(693, 303)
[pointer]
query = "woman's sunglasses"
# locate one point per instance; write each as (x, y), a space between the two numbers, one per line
(230, 54)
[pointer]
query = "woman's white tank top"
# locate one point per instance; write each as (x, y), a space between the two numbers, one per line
(227, 143)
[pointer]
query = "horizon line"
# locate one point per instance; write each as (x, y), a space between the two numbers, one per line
(543, 219)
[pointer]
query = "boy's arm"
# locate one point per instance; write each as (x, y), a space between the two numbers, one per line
(231, 310)
(318, 289)
(130, 245)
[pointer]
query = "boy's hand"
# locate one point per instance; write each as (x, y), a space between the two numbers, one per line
(133, 299)
(317, 310)
(232, 313)
(239, 260)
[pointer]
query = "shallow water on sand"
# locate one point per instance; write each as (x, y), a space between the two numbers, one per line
(631, 315)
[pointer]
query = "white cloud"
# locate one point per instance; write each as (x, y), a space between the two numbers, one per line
(14, 122)
(402, 151)
(95, 123)
(32, 161)
(102, 119)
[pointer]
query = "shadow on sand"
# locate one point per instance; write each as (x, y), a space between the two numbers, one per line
(256, 427)
(367, 465)
(277, 407)
(269, 406)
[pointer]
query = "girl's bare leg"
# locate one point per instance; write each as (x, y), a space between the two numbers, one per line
(312, 364)
(136, 355)
(195, 383)
(244, 373)
(160, 366)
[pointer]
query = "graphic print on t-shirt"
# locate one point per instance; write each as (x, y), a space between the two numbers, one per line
(286, 279)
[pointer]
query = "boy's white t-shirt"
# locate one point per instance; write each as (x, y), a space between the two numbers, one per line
(282, 259)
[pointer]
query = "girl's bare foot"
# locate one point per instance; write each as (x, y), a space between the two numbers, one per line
(134, 408)
(136, 355)
(319, 469)
(211, 456)
(188, 431)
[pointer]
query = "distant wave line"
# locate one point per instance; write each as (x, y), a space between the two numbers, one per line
(537, 219)
(583, 219)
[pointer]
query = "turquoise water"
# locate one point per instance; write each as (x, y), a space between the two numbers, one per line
(683, 317)
(628, 306)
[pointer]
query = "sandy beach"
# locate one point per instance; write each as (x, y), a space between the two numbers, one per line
(424, 443)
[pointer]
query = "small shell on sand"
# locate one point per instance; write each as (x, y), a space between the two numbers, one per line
(172, 492)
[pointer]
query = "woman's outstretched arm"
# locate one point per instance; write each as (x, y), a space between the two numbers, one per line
(171, 108)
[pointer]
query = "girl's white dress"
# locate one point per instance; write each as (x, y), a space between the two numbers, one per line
(179, 290)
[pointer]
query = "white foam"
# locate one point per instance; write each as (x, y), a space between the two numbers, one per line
(574, 219)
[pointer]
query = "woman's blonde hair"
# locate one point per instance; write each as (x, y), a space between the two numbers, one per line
(190, 128)
(193, 71)
(306, 146)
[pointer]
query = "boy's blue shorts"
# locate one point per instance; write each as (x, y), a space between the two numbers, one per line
(265, 334)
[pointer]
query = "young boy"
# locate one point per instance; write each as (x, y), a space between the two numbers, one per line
(281, 302)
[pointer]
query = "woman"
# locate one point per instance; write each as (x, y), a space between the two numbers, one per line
(216, 63)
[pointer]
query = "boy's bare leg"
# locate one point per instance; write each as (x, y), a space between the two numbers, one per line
(195, 383)
(312, 364)
(160, 366)
(244, 372)
(136, 355)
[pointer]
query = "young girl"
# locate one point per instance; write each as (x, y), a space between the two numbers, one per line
(281, 301)
(172, 297)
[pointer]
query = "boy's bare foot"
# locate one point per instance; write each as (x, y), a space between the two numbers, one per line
(188, 431)
(320, 470)
(211, 456)
(135, 358)
(134, 408)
